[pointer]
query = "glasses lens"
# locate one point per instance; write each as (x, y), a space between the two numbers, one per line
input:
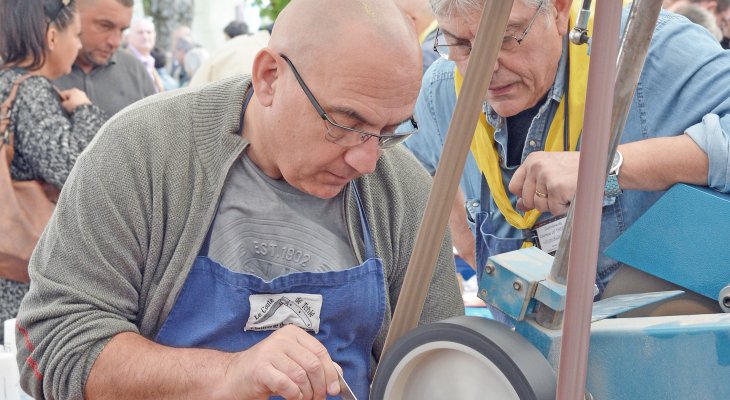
(391, 141)
(509, 43)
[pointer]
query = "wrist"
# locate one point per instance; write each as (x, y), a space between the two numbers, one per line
(612, 188)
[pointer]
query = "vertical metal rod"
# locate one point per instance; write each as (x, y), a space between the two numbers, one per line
(632, 54)
(466, 114)
(588, 202)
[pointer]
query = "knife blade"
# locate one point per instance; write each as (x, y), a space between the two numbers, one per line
(345, 391)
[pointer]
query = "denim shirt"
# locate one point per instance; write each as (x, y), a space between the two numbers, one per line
(684, 88)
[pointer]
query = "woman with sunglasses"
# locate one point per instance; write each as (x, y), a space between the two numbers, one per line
(40, 39)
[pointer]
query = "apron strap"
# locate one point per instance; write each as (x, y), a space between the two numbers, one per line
(367, 239)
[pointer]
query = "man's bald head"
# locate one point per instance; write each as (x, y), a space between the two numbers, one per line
(332, 28)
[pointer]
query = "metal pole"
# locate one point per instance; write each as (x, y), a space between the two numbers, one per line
(588, 202)
(466, 114)
(632, 54)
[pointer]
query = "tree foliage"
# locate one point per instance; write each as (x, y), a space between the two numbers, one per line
(168, 15)
(272, 10)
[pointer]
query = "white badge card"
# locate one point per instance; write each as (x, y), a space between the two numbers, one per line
(548, 234)
(273, 311)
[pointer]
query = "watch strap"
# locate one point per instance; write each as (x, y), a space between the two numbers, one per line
(611, 189)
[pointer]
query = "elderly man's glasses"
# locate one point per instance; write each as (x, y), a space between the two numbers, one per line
(461, 51)
(346, 136)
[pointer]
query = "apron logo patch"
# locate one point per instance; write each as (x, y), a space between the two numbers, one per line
(273, 311)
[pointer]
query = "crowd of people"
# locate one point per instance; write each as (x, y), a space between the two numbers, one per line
(256, 227)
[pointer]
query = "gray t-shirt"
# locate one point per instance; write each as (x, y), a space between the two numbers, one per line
(111, 87)
(268, 228)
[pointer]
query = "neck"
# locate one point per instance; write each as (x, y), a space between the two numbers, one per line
(83, 64)
(44, 70)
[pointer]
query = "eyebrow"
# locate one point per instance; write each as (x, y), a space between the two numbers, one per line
(457, 38)
(362, 120)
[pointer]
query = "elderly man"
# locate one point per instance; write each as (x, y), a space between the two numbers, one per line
(677, 129)
(112, 79)
(235, 240)
(141, 40)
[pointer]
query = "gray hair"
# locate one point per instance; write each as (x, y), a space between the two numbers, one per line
(700, 16)
(450, 8)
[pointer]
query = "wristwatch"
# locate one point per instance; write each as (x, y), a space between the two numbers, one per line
(611, 188)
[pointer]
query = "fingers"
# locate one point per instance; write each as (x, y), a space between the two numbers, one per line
(331, 381)
(546, 181)
(289, 363)
(316, 372)
(518, 180)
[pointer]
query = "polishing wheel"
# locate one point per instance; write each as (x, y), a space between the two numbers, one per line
(465, 358)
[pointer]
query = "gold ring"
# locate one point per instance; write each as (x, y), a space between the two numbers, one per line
(540, 194)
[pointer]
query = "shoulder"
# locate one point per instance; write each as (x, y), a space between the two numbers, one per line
(124, 57)
(126, 61)
(400, 174)
(172, 124)
(441, 72)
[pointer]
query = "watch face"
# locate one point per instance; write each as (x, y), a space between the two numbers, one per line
(615, 162)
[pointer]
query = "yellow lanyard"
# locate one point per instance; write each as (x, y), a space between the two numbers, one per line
(423, 35)
(485, 151)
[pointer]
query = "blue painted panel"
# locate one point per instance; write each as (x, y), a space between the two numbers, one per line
(683, 238)
(512, 284)
(662, 358)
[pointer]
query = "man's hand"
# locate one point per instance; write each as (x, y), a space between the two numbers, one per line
(546, 181)
(289, 363)
(72, 98)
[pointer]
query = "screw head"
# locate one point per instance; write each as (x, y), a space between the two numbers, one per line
(517, 285)
(489, 268)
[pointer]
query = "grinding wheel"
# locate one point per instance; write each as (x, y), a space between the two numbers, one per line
(464, 358)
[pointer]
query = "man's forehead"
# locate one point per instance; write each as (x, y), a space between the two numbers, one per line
(457, 23)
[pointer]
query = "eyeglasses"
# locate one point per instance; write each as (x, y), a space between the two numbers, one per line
(344, 135)
(54, 9)
(461, 51)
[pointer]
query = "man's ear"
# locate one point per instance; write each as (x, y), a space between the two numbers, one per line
(264, 75)
(51, 37)
(562, 15)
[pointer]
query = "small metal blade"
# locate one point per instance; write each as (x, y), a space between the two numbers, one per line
(345, 391)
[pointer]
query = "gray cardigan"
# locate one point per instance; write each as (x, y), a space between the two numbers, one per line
(134, 213)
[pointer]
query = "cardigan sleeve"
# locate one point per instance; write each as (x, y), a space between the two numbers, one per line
(47, 140)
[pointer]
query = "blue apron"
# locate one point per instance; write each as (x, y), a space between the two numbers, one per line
(213, 308)
(487, 244)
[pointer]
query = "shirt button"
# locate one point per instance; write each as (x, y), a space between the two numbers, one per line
(533, 143)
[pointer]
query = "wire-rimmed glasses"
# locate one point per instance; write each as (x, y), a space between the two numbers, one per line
(460, 51)
(346, 136)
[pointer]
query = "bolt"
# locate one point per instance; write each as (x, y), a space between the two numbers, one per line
(517, 285)
(483, 293)
(489, 268)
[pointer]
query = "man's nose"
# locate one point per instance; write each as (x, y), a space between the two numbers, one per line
(115, 39)
(364, 157)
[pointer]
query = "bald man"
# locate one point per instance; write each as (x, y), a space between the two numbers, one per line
(237, 240)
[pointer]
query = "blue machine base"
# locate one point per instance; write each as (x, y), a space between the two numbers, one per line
(683, 238)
